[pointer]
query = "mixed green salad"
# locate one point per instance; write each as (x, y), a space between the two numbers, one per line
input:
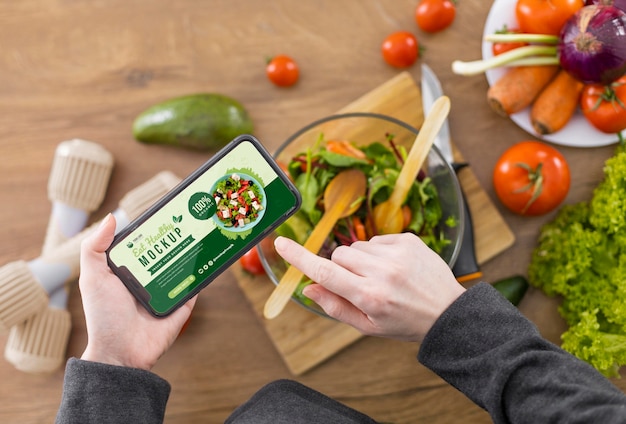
(239, 201)
(381, 162)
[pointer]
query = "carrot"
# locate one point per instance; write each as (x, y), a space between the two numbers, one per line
(407, 215)
(556, 104)
(345, 148)
(518, 88)
(359, 228)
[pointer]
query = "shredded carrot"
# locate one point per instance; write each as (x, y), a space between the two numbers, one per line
(359, 228)
(344, 147)
(407, 215)
(518, 88)
(556, 104)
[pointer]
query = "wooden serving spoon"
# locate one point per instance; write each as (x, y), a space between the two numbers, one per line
(388, 214)
(342, 197)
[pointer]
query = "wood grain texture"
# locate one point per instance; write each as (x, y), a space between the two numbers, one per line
(87, 68)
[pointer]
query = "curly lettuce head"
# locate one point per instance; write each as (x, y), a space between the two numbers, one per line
(581, 256)
(608, 205)
(603, 348)
(565, 251)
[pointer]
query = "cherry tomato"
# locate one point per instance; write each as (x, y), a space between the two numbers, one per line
(531, 178)
(400, 49)
(251, 262)
(282, 70)
(604, 106)
(435, 15)
(545, 16)
(499, 48)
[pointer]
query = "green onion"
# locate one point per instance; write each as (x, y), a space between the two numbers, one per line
(521, 38)
(531, 55)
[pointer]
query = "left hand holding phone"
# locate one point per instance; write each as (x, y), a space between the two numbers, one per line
(120, 331)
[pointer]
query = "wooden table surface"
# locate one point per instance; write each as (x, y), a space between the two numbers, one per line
(85, 69)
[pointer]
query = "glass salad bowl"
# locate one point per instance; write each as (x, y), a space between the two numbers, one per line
(386, 140)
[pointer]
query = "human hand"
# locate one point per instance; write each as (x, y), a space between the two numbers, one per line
(120, 331)
(392, 286)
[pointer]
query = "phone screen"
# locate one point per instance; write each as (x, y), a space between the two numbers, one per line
(204, 225)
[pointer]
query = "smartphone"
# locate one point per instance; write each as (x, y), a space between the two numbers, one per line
(202, 226)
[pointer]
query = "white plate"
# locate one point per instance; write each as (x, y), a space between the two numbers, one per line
(578, 132)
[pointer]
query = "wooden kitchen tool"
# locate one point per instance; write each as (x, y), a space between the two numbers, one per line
(388, 215)
(305, 340)
(342, 197)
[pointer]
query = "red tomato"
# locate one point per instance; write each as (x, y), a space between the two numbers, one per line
(435, 15)
(282, 70)
(545, 16)
(604, 106)
(499, 48)
(400, 49)
(251, 262)
(531, 178)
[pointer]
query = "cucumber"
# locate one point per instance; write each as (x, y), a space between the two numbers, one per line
(201, 121)
(513, 288)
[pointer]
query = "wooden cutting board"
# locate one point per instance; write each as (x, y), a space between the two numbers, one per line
(303, 339)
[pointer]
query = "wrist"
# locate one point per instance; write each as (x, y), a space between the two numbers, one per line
(97, 355)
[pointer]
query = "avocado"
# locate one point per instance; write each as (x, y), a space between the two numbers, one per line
(513, 288)
(200, 121)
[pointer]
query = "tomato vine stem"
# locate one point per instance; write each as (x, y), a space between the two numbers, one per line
(535, 182)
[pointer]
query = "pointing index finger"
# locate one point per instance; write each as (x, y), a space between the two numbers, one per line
(323, 271)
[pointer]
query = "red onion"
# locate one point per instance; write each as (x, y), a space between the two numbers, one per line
(620, 4)
(592, 44)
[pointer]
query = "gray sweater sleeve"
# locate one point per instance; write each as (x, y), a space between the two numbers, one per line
(487, 349)
(107, 394)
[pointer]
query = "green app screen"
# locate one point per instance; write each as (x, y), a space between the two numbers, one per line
(197, 232)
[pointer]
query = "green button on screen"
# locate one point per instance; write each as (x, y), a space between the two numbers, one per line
(182, 286)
